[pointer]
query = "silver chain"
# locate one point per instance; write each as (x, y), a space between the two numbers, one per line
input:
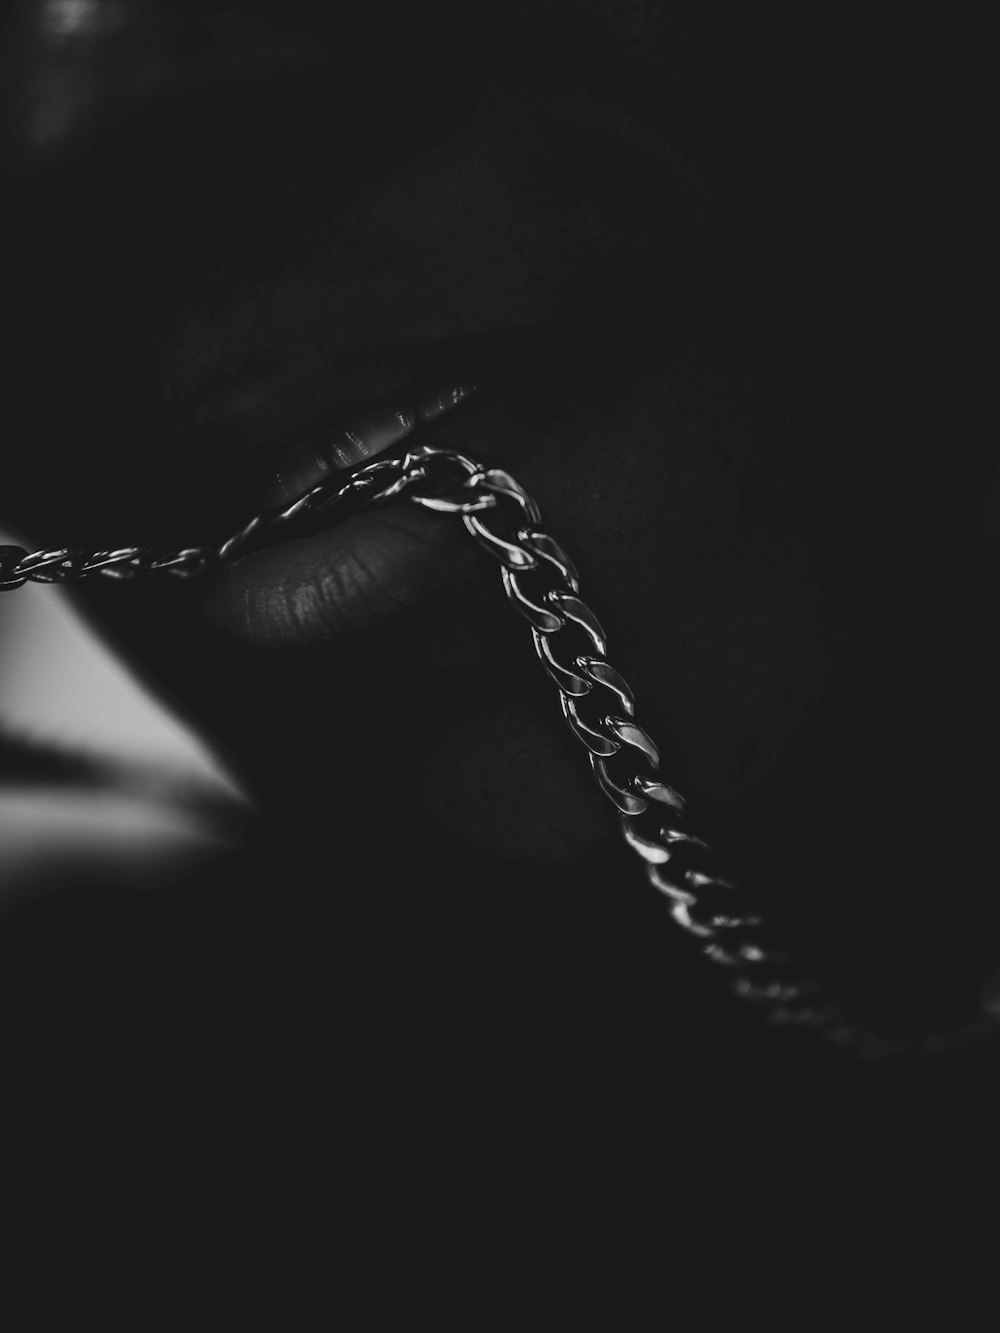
(542, 585)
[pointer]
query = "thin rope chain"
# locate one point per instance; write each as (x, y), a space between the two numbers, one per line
(542, 584)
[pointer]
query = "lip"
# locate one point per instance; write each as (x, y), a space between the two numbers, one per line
(358, 440)
(380, 566)
(356, 576)
(226, 453)
(230, 447)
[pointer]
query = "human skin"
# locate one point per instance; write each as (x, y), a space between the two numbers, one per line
(651, 227)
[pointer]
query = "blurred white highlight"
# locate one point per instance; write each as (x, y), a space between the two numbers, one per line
(60, 686)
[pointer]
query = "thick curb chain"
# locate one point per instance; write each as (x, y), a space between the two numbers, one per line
(542, 584)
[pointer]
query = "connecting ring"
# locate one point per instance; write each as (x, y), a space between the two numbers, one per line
(443, 504)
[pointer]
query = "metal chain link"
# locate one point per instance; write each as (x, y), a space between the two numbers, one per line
(375, 483)
(542, 584)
